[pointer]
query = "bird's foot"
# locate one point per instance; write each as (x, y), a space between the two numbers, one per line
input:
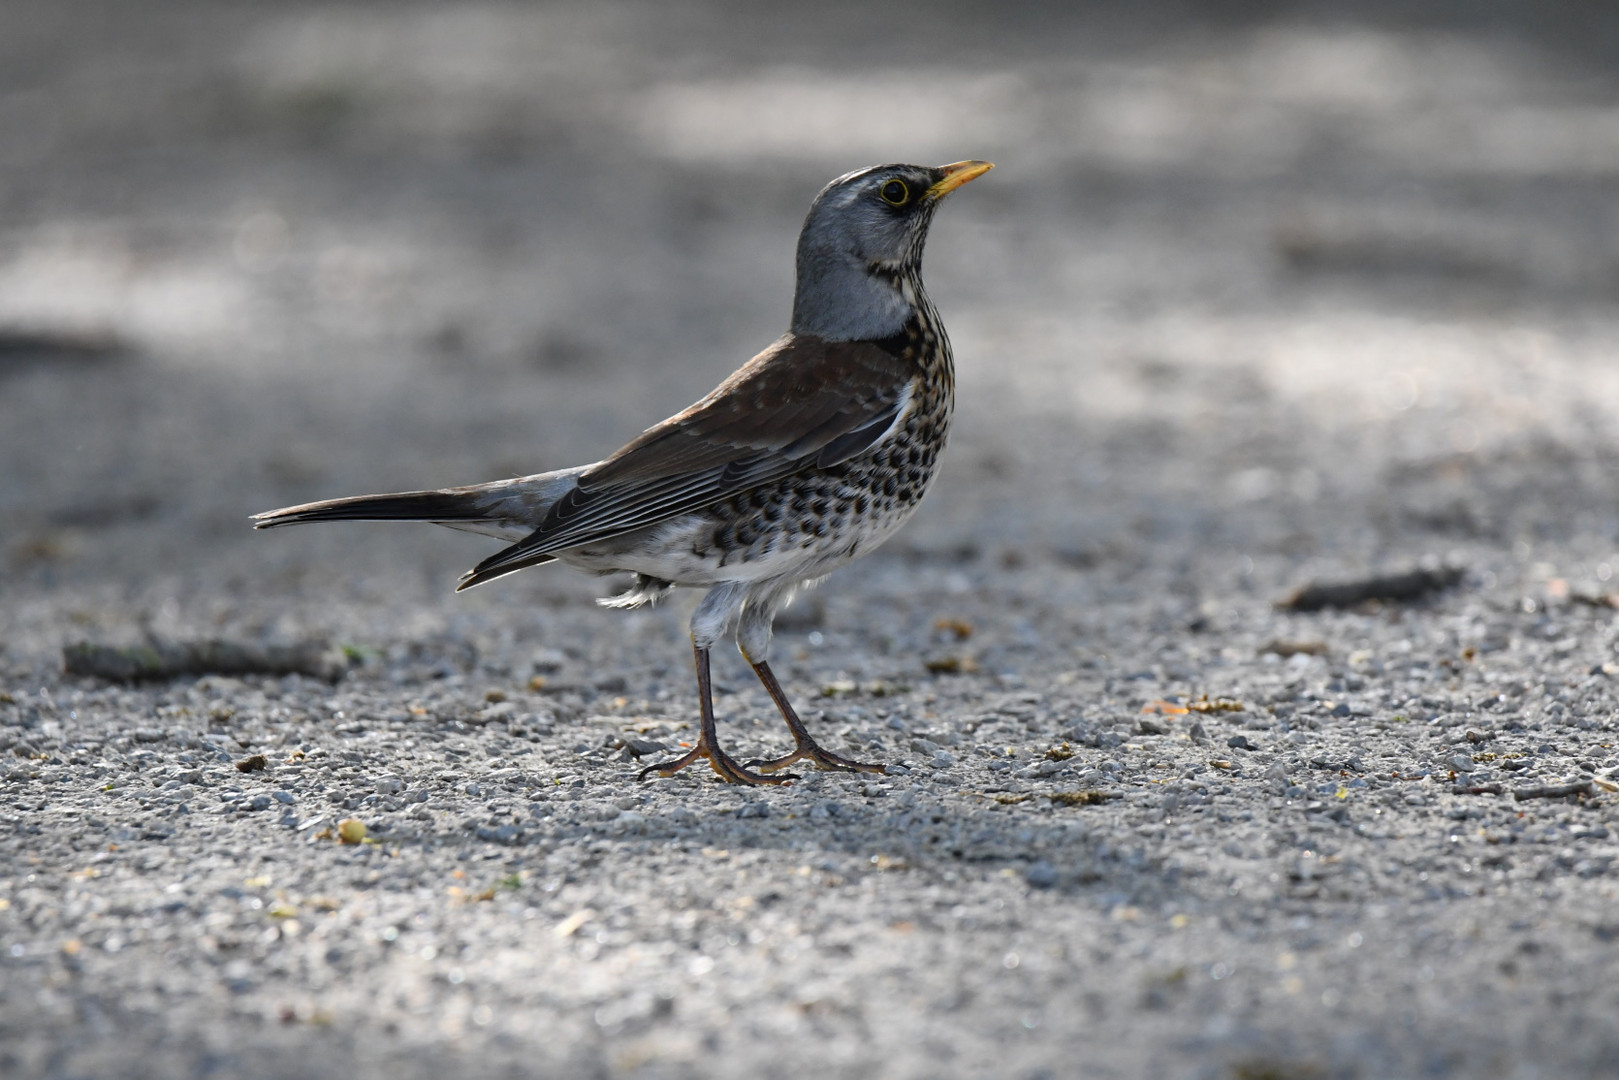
(721, 762)
(808, 750)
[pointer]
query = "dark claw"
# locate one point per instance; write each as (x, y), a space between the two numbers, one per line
(824, 759)
(723, 766)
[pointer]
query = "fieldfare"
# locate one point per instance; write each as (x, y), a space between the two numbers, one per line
(814, 452)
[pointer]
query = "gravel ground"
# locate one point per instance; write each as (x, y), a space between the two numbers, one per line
(1251, 301)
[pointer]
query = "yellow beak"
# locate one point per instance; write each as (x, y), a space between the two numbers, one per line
(957, 174)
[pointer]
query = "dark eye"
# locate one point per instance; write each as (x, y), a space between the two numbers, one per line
(895, 193)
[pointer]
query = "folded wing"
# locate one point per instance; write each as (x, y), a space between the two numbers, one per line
(802, 404)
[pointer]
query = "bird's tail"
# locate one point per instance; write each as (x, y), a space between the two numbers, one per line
(449, 505)
(507, 509)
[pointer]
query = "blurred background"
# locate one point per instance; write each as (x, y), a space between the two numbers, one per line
(1258, 290)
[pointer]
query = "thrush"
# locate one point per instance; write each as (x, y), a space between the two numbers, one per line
(812, 453)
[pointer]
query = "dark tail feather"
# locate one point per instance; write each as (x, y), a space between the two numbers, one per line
(494, 567)
(446, 506)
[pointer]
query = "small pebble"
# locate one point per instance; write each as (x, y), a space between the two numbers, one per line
(1041, 769)
(643, 747)
(1041, 875)
(547, 661)
(499, 711)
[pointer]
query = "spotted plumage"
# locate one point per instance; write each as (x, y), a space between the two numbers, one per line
(811, 454)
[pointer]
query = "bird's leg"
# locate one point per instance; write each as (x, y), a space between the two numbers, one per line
(806, 748)
(708, 745)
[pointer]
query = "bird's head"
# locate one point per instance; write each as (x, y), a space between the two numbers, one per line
(864, 235)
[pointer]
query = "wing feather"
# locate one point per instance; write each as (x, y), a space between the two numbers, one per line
(803, 403)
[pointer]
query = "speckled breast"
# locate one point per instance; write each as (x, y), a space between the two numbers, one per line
(824, 517)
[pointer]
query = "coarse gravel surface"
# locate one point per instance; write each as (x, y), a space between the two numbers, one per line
(1250, 301)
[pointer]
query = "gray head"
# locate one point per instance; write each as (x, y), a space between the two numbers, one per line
(863, 238)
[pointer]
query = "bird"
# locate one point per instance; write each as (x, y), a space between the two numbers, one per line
(812, 453)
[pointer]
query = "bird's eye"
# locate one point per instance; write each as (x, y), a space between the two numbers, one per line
(895, 193)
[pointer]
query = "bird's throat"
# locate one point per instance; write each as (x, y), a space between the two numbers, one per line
(841, 299)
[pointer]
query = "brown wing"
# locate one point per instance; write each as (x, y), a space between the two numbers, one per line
(802, 403)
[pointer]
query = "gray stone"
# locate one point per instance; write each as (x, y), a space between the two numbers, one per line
(1041, 875)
